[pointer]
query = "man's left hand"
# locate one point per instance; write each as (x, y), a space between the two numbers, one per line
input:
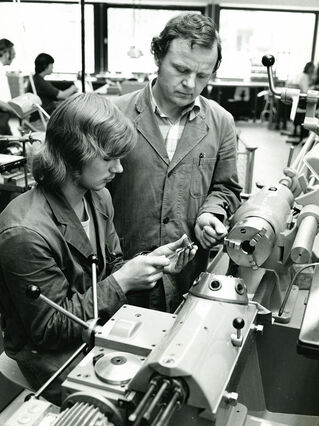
(209, 230)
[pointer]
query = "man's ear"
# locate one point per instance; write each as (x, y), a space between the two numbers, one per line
(157, 61)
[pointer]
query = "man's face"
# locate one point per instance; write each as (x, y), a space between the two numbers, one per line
(184, 72)
(98, 172)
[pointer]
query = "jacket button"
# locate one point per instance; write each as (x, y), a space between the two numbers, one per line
(166, 220)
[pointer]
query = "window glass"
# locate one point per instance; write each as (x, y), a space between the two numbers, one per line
(50, 28)
(247, 35)
(130, 32)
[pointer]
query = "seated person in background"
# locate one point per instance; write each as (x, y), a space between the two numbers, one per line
(304, 80)
(48, 234)
(48, 93)
(7, 54)
(315, 82)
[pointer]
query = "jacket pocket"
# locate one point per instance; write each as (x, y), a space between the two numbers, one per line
(202, 174)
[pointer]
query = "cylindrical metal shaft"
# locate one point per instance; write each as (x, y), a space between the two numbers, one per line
(302, 247)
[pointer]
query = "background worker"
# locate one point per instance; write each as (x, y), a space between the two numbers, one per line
(181, 177)
(7, 54)
(48, 93)
(48, 234)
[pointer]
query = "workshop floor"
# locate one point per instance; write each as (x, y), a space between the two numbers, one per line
(272, 151)
(271, 156)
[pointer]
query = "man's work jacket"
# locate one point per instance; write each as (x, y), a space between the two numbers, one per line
(157, 200)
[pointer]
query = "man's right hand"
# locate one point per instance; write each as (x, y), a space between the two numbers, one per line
(141, 273)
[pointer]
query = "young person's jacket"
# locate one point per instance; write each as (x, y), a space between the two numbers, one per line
(43, 243)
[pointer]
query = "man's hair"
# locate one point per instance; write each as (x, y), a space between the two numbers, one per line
(42, 61)
(5, 46)
(199, 29)
(85, 126)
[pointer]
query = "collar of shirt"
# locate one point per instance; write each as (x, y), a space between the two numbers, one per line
(193, 109)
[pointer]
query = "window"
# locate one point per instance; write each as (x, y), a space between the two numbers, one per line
(52, 28)
(130, 31)
(247, 35)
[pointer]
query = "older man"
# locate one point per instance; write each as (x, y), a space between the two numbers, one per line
(181, 177)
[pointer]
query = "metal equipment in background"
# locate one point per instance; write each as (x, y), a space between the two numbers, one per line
(273, 233)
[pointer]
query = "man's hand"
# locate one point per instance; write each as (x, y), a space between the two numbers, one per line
(291, 181)
(209, 230)
(178, 254)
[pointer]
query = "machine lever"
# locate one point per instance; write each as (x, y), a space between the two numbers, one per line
(94, 260)
(34, 292)
(39, 392)
(238, 324)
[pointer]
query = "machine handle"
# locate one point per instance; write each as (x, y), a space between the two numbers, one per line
(34, 292)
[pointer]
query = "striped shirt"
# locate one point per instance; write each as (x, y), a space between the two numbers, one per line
(172, 132)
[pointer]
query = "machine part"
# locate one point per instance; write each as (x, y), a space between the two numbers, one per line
(256, 225)
(128, 327)
(237, 339)
(166, 396)
(91, 404)
(94, 261)
(308, 341)
(193, 348)
(308, 220)
(145, 401)
(231, 398)
(117, 368)
(220, 288)
(32, 412)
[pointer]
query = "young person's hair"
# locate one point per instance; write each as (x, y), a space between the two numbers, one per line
(42, 61)
(85, 126)
(199, 29)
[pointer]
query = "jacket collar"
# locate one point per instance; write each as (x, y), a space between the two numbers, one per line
(146, 124)
(70, 224)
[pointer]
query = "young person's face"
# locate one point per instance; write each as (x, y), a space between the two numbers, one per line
(9, 56)
(184, 72)
(98, 173)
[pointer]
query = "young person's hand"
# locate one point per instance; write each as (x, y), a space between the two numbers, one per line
(179, 253)
(141, 273)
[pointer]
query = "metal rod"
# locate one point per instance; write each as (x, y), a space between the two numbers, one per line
(148, 413)
(83, 44)
(94, 261)
(290, 155)
(170, 408)
(301, 250)
(60, 370)
(132, 418)
(283, 305)
(64, 311)
(25, 167)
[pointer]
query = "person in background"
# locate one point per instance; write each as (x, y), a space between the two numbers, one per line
(304, 80)
(181, 177)
(315, 82)
(48, 234)
(48, 93)
(7, 54)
